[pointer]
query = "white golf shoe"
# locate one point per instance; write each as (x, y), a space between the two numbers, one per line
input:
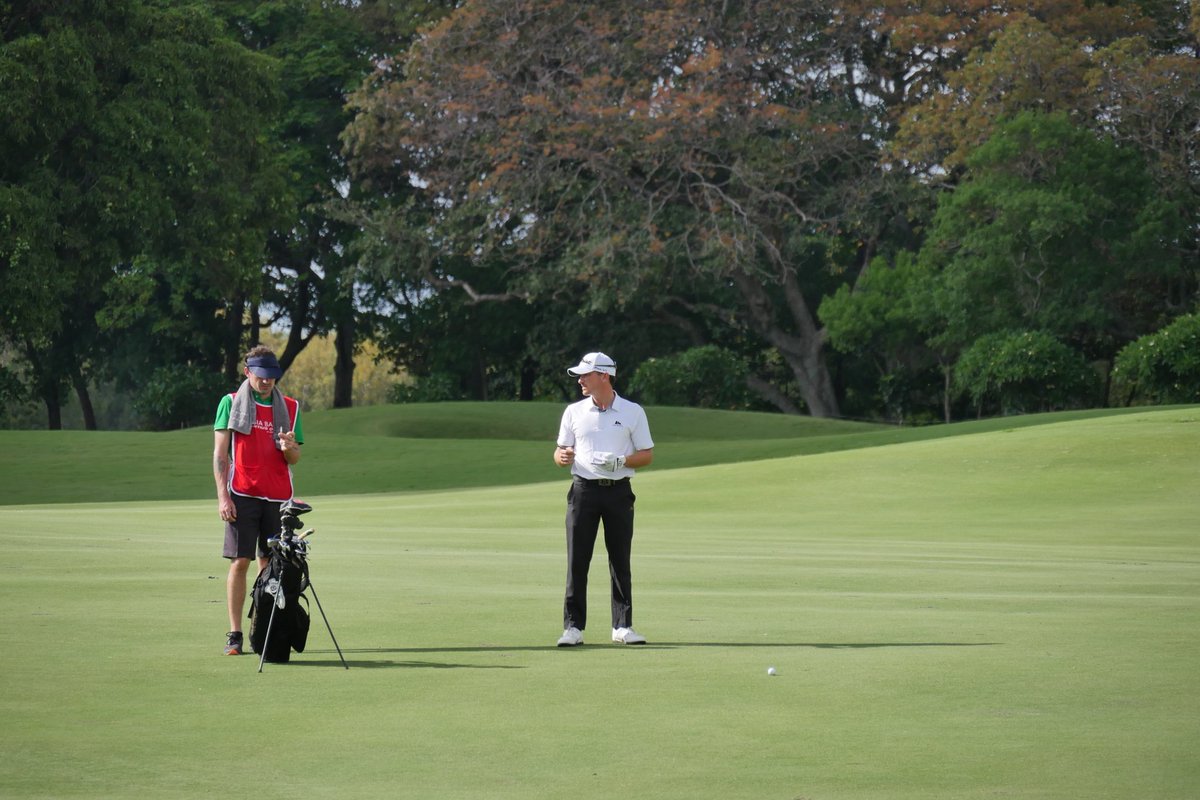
(571, 637)
(627, 636)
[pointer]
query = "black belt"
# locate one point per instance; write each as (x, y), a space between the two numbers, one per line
(602, 481)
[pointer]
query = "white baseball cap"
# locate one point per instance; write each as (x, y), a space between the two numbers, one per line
(594, 362)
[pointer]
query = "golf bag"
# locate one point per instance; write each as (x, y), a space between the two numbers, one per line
(279, 618)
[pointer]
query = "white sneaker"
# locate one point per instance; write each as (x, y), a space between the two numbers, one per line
(627, 636)
(570, 638)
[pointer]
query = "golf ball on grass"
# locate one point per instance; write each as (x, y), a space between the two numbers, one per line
(770, 670)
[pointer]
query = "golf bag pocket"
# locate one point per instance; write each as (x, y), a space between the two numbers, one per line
(300, 622)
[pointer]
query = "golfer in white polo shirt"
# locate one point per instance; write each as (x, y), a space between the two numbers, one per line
(602, 438)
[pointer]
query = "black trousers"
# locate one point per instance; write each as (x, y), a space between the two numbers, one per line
(588, 505)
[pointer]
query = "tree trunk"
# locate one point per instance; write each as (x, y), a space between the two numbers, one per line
(85, 400)
(771, 393)
(343, 368)
(298, 320)
(529, 375)
(234, 326)
(53, 411)
(946, 392)
(478, 378)
(802, 347)
(46, 384)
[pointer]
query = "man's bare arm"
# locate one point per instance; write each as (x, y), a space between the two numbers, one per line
(221, 466)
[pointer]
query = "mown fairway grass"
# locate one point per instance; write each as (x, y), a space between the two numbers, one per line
(1010, 613)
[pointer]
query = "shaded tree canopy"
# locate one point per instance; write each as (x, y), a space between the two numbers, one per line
(624, 149)
(1053, 230)
(131, 139)
(840, 197)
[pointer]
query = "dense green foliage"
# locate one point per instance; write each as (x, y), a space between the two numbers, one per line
(1052, 230)
(1162, 367)
(844, 196)
(708, 377)
(134, 189)
(177, 396)
(1025, 372)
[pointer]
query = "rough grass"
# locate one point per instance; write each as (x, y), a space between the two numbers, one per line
(1009, 613)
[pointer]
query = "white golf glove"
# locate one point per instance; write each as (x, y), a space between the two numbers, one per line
(609, 462)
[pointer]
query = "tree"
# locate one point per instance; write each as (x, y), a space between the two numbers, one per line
(1161, 367)
(1027, 67)
(633, 149)
(1053, 229)
(1025, 371)
(887, 319)
(1136, 84)
(132, 132)
(325, 50)
(311, 377)
(705, 377)
(920, 61)
(1149, 100)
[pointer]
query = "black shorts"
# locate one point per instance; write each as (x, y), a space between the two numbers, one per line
(257, 520)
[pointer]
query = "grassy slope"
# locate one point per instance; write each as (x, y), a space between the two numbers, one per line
(419, 447)
(1007, 614)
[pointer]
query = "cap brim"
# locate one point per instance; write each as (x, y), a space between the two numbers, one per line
(267, 372)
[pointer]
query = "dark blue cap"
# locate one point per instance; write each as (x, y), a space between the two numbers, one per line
(264, 367)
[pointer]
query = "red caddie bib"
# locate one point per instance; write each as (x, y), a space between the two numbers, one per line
(259, 468)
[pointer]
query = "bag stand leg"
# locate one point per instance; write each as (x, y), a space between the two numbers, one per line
(267, 639)
(326, 619)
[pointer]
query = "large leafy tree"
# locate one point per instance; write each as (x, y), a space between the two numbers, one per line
(886, 320)
(325, 50)
(1135, 92)
(1054, 230)
(1148, 100)
(605, 152)
(1127, 73)
(131, 159)
(906, 54)
(1137, 85)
